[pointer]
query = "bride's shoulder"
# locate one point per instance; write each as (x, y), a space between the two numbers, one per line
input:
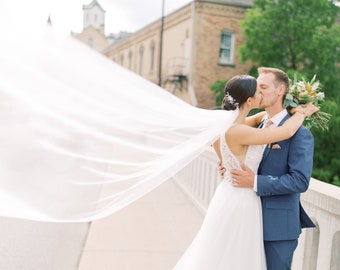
(237, 129)
(238, 126)
(255, 119)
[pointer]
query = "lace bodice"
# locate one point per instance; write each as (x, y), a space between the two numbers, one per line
(252, 159)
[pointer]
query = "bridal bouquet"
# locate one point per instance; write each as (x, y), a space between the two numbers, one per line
(303, 92)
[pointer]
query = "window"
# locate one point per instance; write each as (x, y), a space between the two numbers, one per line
(130, 60)
(227, 48)
(141, 56)
(122, 59)
(90, 42)
(152, 53)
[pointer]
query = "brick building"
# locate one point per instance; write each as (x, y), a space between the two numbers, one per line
(199, 47)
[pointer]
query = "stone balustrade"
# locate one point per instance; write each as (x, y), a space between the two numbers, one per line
(318, 249)
(30, 245)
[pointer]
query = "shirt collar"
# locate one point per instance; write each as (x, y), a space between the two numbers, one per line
(277, 118)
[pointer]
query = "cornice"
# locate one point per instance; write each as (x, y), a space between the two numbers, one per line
(220, 9)
(153, 28)
(236, 3)
(179, 15)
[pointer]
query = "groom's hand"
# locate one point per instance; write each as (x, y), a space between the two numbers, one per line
(244, 178)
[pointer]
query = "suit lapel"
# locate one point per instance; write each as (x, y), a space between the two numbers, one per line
(284, 119)
(266, 153)
(267, 150)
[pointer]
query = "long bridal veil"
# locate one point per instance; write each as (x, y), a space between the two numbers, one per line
(82, 137)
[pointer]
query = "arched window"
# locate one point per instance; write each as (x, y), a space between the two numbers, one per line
(122, 59)
(130, 59)
(141, 58)
(90, 42)
(152, 56)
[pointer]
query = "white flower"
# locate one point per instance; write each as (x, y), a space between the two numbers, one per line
(315, 86)
(320, 96)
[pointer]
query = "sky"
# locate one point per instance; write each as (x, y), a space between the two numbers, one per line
(121, 15)
(67, 15)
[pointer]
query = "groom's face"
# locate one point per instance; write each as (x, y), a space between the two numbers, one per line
(270, 90)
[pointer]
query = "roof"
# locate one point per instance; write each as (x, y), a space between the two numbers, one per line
(93, 4)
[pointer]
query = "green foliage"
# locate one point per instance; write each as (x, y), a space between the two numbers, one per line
(324, 53)
(218, 91)
(301, 37)
(327, 147)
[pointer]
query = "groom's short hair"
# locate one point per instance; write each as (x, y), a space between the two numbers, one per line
(281, 77)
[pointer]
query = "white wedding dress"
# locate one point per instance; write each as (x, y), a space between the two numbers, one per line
(231, 235)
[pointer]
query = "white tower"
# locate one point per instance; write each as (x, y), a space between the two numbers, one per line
(94, 15)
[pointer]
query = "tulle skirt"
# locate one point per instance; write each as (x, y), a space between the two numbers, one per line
(231, 233)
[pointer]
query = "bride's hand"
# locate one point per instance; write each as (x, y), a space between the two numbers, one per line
(306, 109)
(221, 169)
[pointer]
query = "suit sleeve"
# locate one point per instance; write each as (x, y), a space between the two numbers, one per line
(298, 169)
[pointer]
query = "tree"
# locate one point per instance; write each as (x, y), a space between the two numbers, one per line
(295, 35)
(218, 91)
(327, 148)
(301, 37)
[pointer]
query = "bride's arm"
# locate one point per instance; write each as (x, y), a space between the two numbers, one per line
(245, 135)
(255, 119)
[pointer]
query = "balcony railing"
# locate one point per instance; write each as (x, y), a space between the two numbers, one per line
(318, 249)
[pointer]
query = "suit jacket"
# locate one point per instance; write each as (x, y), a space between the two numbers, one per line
(283, 174)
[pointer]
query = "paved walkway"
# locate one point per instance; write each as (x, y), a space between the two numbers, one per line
(150, 234)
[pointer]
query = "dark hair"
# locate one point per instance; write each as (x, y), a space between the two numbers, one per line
(237, 90)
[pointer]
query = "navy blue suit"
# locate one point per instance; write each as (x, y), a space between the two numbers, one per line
(283, 174)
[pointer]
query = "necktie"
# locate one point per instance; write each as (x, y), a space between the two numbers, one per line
(267, 123)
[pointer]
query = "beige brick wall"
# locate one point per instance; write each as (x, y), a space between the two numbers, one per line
(210, 20)
(99, 42)
(201, 23)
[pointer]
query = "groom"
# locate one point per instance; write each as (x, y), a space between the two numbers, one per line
(283, 174)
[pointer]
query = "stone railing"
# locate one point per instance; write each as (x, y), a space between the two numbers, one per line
(318, 249)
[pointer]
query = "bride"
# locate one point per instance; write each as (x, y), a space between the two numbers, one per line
(232, 228)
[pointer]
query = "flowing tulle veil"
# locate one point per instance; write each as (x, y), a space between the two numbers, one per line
(82, 137)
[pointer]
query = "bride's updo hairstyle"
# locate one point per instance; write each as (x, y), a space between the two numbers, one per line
(237, 90)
